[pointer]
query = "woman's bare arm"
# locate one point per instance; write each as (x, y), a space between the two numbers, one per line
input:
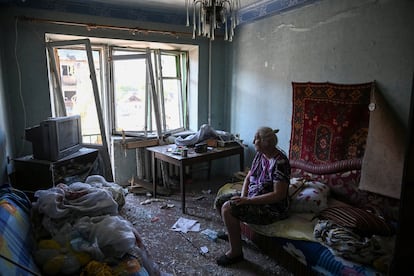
(278, 194)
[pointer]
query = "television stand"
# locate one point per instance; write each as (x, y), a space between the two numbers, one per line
(34, 174)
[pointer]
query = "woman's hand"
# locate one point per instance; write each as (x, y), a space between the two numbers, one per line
(238, 200)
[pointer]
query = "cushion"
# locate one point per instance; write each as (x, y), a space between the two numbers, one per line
(298, 226)
(308, 196)
(361, 221)
(342, 185)
(227, 188)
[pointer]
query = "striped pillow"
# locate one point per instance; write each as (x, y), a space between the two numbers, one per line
(361, 221)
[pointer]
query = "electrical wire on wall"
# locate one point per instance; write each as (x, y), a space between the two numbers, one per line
(19, 74)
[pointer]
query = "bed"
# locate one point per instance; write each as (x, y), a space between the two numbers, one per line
(68, 230)
(78, 228)
(334, 228)
(314, 245)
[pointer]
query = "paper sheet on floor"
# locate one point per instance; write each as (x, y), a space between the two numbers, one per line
(184, 225)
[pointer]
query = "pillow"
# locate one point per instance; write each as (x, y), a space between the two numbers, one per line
(361, 221)
(342, 185)
(308, 196)
(228, 188)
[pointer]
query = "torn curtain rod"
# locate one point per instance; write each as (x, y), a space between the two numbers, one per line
(91, 26)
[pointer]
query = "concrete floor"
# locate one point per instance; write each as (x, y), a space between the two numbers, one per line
(178, 253)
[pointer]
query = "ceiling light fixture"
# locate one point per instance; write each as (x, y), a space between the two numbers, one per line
(209, 15)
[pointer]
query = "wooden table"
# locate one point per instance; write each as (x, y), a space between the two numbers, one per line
(165, 153)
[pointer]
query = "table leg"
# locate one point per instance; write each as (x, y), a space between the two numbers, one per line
(209, 170)
(154, 175)
(182, 187)
(242, 161)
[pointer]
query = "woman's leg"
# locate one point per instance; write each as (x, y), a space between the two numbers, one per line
(219, 201)
(234, 232)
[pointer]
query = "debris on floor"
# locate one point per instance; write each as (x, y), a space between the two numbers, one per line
(211, 234)
(185, 225)
(192, 253)
(150, 200)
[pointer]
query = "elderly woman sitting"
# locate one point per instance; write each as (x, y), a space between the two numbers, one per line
(264, 197)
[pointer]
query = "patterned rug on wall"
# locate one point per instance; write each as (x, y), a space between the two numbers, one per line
(329, 121)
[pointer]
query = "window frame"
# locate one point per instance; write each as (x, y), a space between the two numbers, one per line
(150, 130)
(107, 99)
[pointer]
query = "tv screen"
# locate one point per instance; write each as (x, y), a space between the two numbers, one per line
(55, 138)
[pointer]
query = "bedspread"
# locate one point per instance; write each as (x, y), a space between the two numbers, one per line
(16, 241)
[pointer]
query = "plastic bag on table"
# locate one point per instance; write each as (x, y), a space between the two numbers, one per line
(205, 132)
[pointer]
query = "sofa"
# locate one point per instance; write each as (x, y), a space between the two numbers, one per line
(334, 227)
(324, 235)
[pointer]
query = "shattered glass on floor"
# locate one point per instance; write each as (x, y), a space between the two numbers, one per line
(191, 252)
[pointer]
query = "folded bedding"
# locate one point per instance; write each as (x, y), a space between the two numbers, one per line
(322, 260)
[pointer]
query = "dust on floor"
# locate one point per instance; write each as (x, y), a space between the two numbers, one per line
(179, 253)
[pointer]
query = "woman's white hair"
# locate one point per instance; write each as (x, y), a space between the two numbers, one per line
(268, 134)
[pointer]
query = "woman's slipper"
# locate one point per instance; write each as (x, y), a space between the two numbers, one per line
(223, 236)
(225, 260)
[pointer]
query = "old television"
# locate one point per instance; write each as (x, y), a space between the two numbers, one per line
(55, 138)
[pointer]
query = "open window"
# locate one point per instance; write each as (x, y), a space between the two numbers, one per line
(126, 98)
(134, 111)
(75, 90)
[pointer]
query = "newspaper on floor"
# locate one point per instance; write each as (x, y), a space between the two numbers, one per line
(184, 225)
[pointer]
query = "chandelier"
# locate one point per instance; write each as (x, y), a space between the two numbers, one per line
(209, 15)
